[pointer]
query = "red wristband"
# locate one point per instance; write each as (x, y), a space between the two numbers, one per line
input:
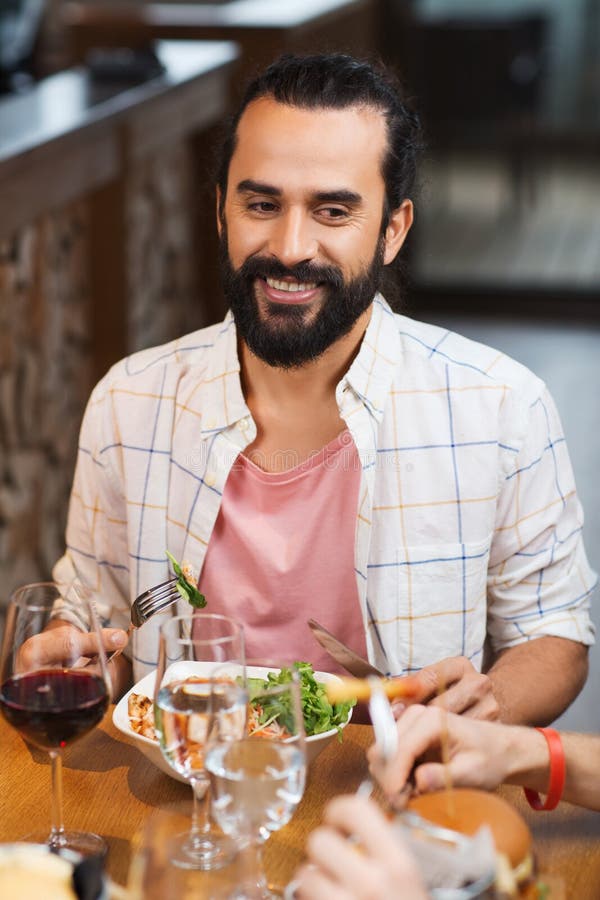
(557, 773)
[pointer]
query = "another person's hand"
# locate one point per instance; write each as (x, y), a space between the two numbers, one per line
(378, 865)
(458, 687)
(479, 753)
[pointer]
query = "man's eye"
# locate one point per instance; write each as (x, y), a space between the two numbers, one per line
(332, 212)
(262, 206)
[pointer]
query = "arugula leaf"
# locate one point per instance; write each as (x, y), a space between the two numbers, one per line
(319, 714)
(187, 590)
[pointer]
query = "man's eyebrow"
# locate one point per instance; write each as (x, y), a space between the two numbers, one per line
(249, 186)
(340, 196)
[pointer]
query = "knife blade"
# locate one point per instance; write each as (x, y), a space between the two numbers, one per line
(345, 656)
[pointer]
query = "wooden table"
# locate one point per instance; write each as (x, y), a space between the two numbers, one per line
(111, 788)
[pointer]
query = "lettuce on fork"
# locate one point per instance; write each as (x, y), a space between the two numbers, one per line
(186, 583)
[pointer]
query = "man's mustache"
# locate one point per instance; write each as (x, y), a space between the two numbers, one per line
(264, 267)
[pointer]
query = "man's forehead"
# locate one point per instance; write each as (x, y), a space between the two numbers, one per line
(271, 134)
(268, 108)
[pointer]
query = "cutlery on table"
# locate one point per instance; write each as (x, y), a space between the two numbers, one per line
(342, 654)
(386, 741)
(149, 602)
(382, 720)
(384, 728)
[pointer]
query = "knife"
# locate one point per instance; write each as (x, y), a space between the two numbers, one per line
(342, 654)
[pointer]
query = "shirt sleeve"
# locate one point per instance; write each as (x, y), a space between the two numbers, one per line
(539, 579)
(96, 536)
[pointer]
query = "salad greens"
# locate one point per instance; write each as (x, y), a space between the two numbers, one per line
(186, 588)
(319, 714)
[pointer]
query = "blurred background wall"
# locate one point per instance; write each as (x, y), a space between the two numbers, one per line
(509, 92)
(505, 248)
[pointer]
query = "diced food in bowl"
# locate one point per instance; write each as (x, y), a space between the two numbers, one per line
(140, 710)
(134, 714)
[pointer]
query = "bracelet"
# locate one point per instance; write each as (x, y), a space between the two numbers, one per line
(557, 773)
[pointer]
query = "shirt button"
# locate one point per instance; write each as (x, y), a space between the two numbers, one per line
(210, 479)
(244, 424)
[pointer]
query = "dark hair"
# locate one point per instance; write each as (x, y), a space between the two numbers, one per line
(338, 81)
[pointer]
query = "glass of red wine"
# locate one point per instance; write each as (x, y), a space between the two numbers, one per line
(54, 684)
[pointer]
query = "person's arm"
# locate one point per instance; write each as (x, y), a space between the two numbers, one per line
(538, 585)
(529, 764)
(539, 579)
(96, 536)
(483, 755)
(521, 676)
(374, 864)
(582, 786)
(515, 690)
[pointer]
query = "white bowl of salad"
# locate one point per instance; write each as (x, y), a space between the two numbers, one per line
(134, 715)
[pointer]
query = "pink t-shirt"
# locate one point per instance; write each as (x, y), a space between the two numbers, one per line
(282, 551)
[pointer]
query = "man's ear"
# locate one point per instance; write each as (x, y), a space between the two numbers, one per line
(218, 210)
(397, 229)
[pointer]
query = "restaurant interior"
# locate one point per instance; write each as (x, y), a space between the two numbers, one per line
(109, 116)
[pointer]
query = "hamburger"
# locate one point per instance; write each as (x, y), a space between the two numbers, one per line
(466, 810)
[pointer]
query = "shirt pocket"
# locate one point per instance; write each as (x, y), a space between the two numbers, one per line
(434, 604)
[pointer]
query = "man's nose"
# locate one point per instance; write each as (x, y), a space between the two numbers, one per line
(292, 239)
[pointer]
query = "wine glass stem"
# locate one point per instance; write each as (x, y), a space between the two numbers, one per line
(255, 881)
(200, 810)
(57, 829)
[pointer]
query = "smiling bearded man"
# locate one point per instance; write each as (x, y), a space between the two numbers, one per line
(318, 455)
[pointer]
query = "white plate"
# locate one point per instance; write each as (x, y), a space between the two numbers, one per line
(314, 744)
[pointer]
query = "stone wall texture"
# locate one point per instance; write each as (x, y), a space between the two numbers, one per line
(47, 345)
(161, 282)
(44, 382)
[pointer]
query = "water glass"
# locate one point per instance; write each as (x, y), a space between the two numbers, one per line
(258, 780)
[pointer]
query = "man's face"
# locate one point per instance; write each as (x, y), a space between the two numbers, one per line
(301, 242)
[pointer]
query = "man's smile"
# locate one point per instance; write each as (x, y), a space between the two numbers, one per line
(288, 290)
(290, 285)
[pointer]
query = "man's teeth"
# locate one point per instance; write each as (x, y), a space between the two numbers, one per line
(291, 285)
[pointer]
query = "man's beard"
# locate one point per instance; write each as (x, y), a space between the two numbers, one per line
(289, 335)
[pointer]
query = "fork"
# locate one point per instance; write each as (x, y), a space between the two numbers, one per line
(382, 719)
(384, 727)
(149, 602)
(386, 738)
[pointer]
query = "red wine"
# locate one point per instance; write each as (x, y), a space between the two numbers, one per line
(53, 707)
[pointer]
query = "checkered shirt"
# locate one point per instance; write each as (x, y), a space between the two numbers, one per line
(468, 522)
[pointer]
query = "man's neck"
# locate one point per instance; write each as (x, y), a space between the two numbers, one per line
(295, 410)
(306, 383)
